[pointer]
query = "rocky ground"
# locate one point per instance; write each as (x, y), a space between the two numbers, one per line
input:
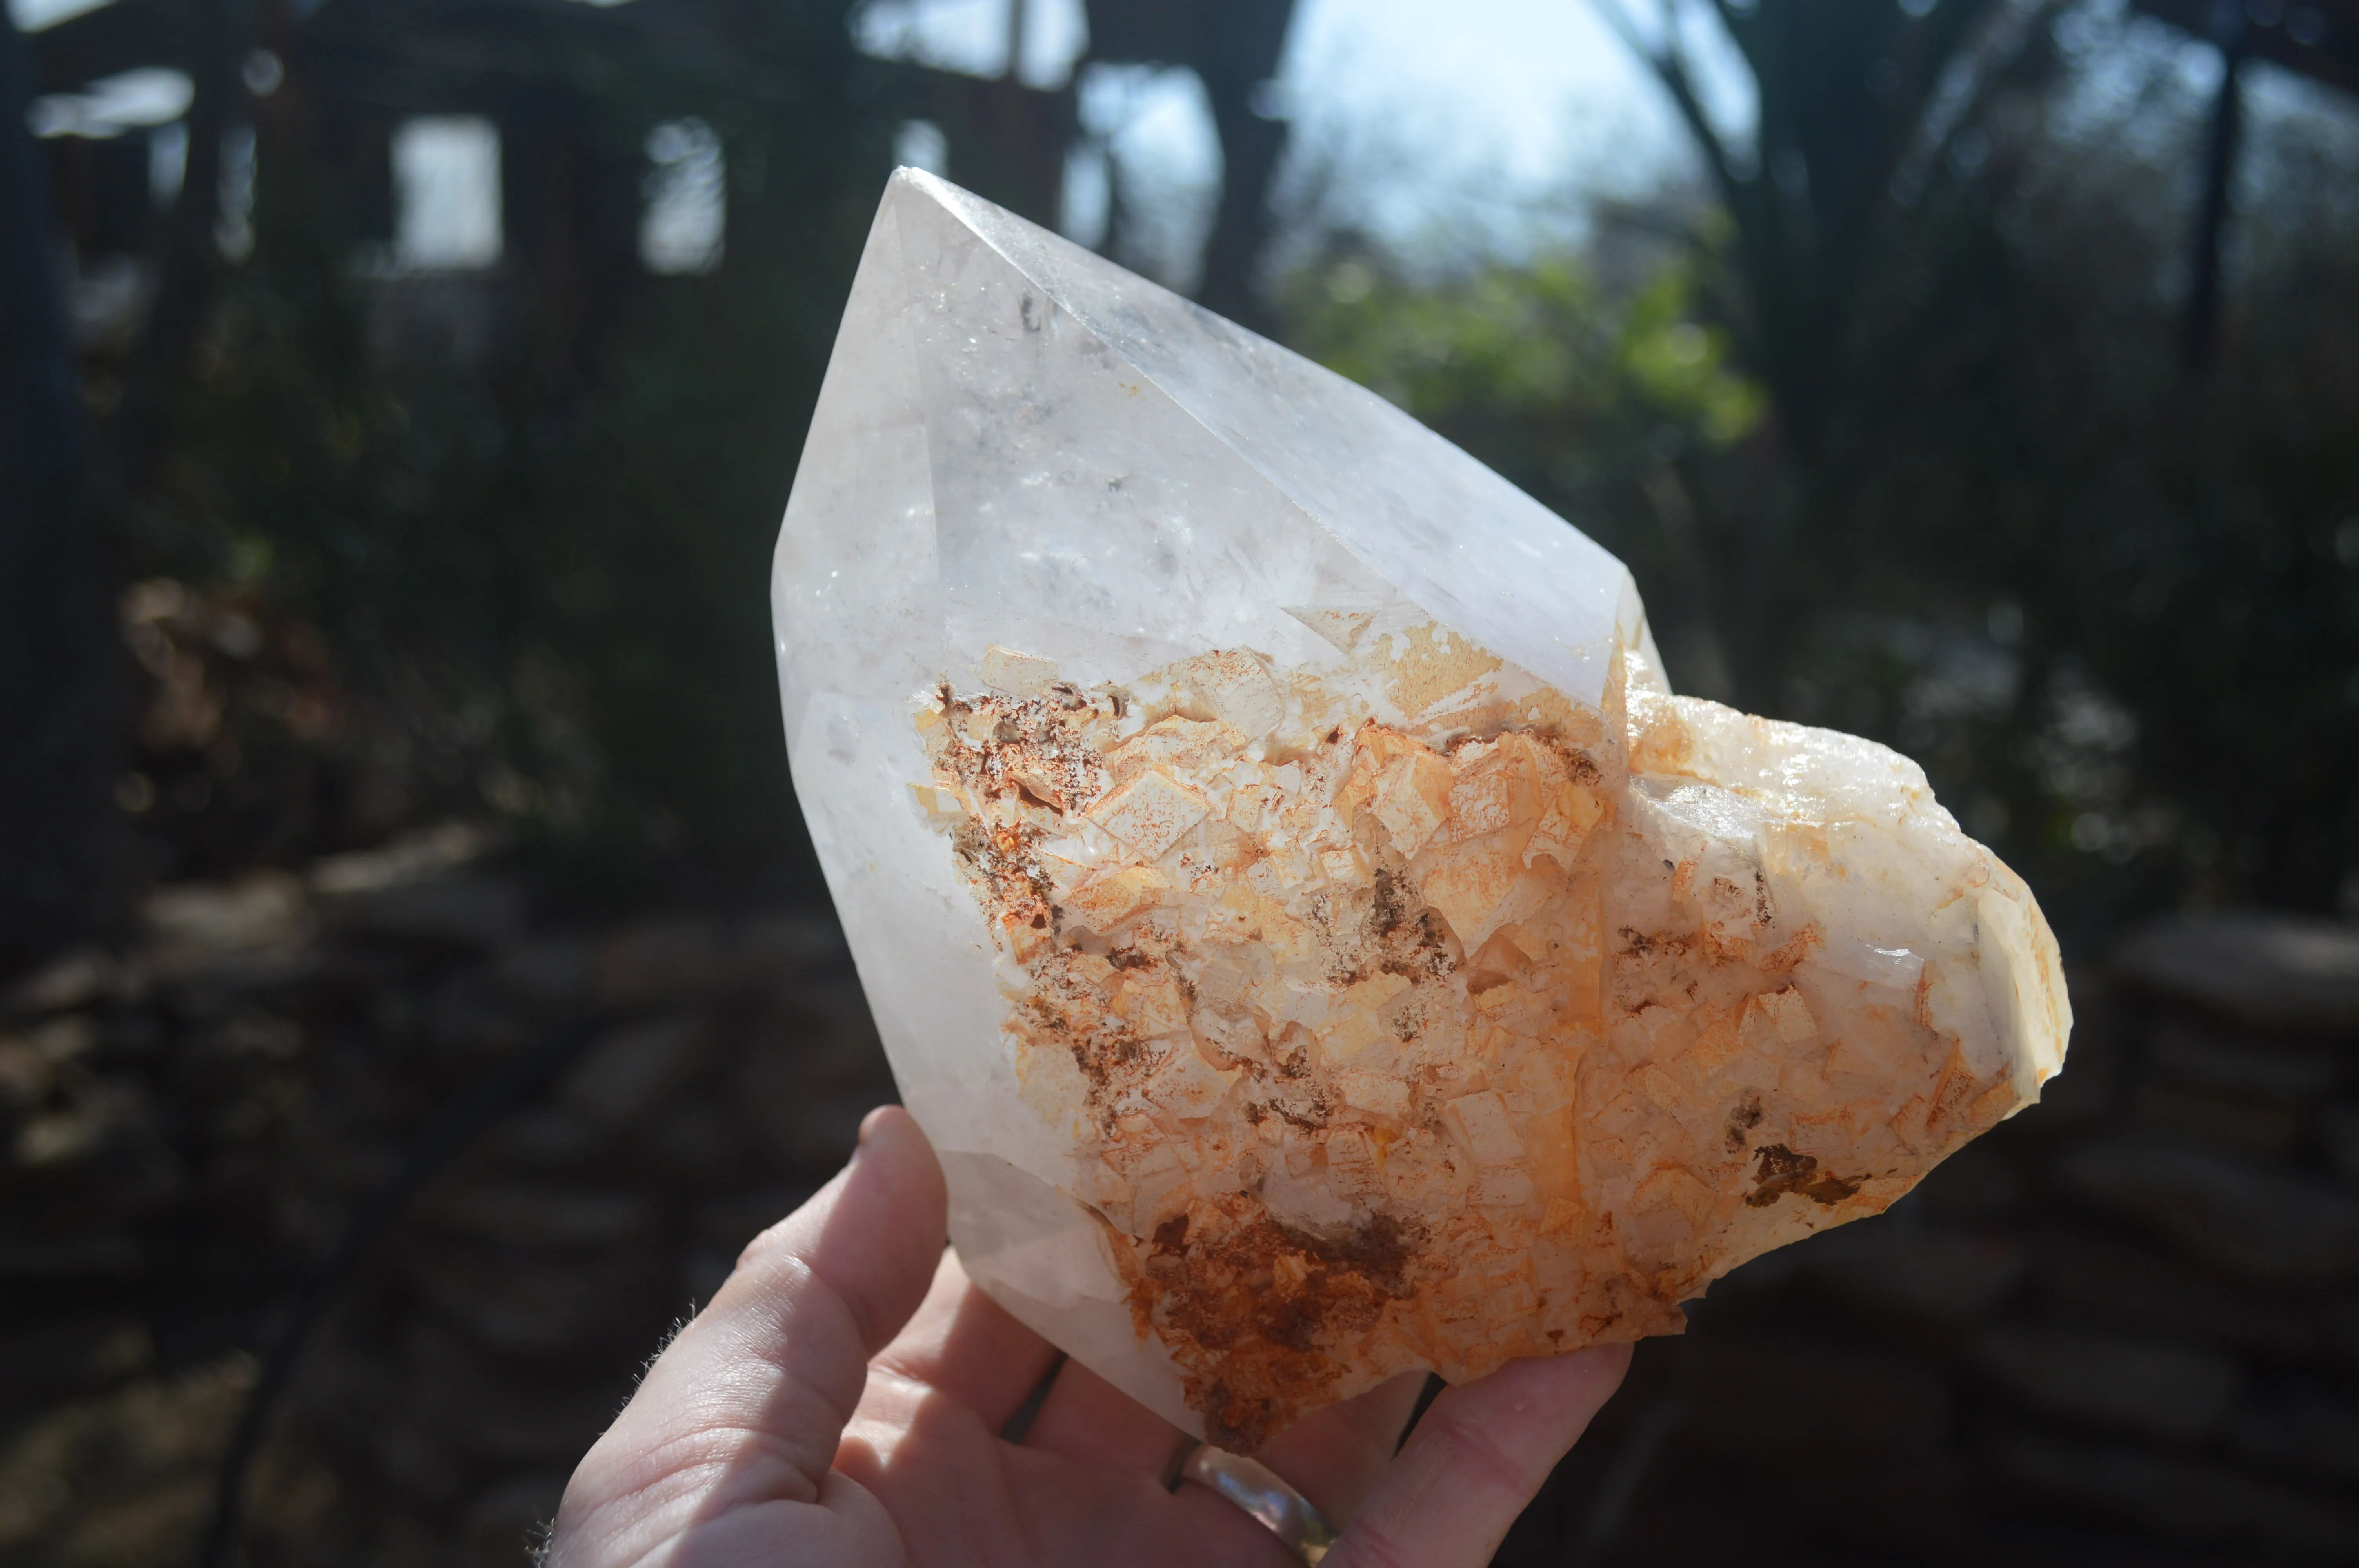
(2123, 1329)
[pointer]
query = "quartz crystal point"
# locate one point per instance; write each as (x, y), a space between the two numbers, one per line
(1316, 940)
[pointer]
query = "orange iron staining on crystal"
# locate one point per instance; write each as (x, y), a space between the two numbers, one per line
(1436, 1043)
(1315, 940)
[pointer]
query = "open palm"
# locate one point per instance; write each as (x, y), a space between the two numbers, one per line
(842, 1401)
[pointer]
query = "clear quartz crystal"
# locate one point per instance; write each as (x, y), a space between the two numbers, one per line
(1317, 942)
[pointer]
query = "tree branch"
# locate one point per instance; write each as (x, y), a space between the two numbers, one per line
(1670, 67)
(1738, 23)
(2005, 43)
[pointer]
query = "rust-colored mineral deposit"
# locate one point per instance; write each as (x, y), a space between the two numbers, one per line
(1490, 1032)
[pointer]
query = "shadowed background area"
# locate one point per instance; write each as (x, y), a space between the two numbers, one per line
(414, 984)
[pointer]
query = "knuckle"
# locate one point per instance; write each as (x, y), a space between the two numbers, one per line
(1474, 1454)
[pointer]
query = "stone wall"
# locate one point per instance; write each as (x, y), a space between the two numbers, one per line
(2122, 1329)
(190, 1129)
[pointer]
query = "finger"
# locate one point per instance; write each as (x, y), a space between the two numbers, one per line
(1333, 1456)
(969, 1348)
(1479, 1456)
(951, 1489)
(748, 1403)
(949, 1484)
(1089, 1419)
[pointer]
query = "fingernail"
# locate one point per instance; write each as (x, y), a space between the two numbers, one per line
(868, 1124)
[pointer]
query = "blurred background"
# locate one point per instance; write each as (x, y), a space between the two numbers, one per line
(414, 983)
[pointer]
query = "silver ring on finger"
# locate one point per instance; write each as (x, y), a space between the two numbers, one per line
(1261, 1492)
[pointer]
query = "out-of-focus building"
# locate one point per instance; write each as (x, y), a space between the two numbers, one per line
(494, 162)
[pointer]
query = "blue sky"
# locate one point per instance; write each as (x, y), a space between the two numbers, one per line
(1508, 82)
(1501, 112)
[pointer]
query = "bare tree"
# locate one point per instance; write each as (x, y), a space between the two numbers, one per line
(1860, 105)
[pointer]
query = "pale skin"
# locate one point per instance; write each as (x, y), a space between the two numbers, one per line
(838, 1405)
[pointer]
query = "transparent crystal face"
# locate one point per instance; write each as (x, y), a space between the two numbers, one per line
(1317, 944)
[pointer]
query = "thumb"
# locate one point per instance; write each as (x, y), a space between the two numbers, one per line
(747, 1404)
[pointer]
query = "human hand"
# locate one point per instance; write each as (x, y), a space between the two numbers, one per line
(840, 1403)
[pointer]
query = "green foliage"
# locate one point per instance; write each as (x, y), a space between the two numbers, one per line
(1589, 401)
(1685, 367)
(1535, 339)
